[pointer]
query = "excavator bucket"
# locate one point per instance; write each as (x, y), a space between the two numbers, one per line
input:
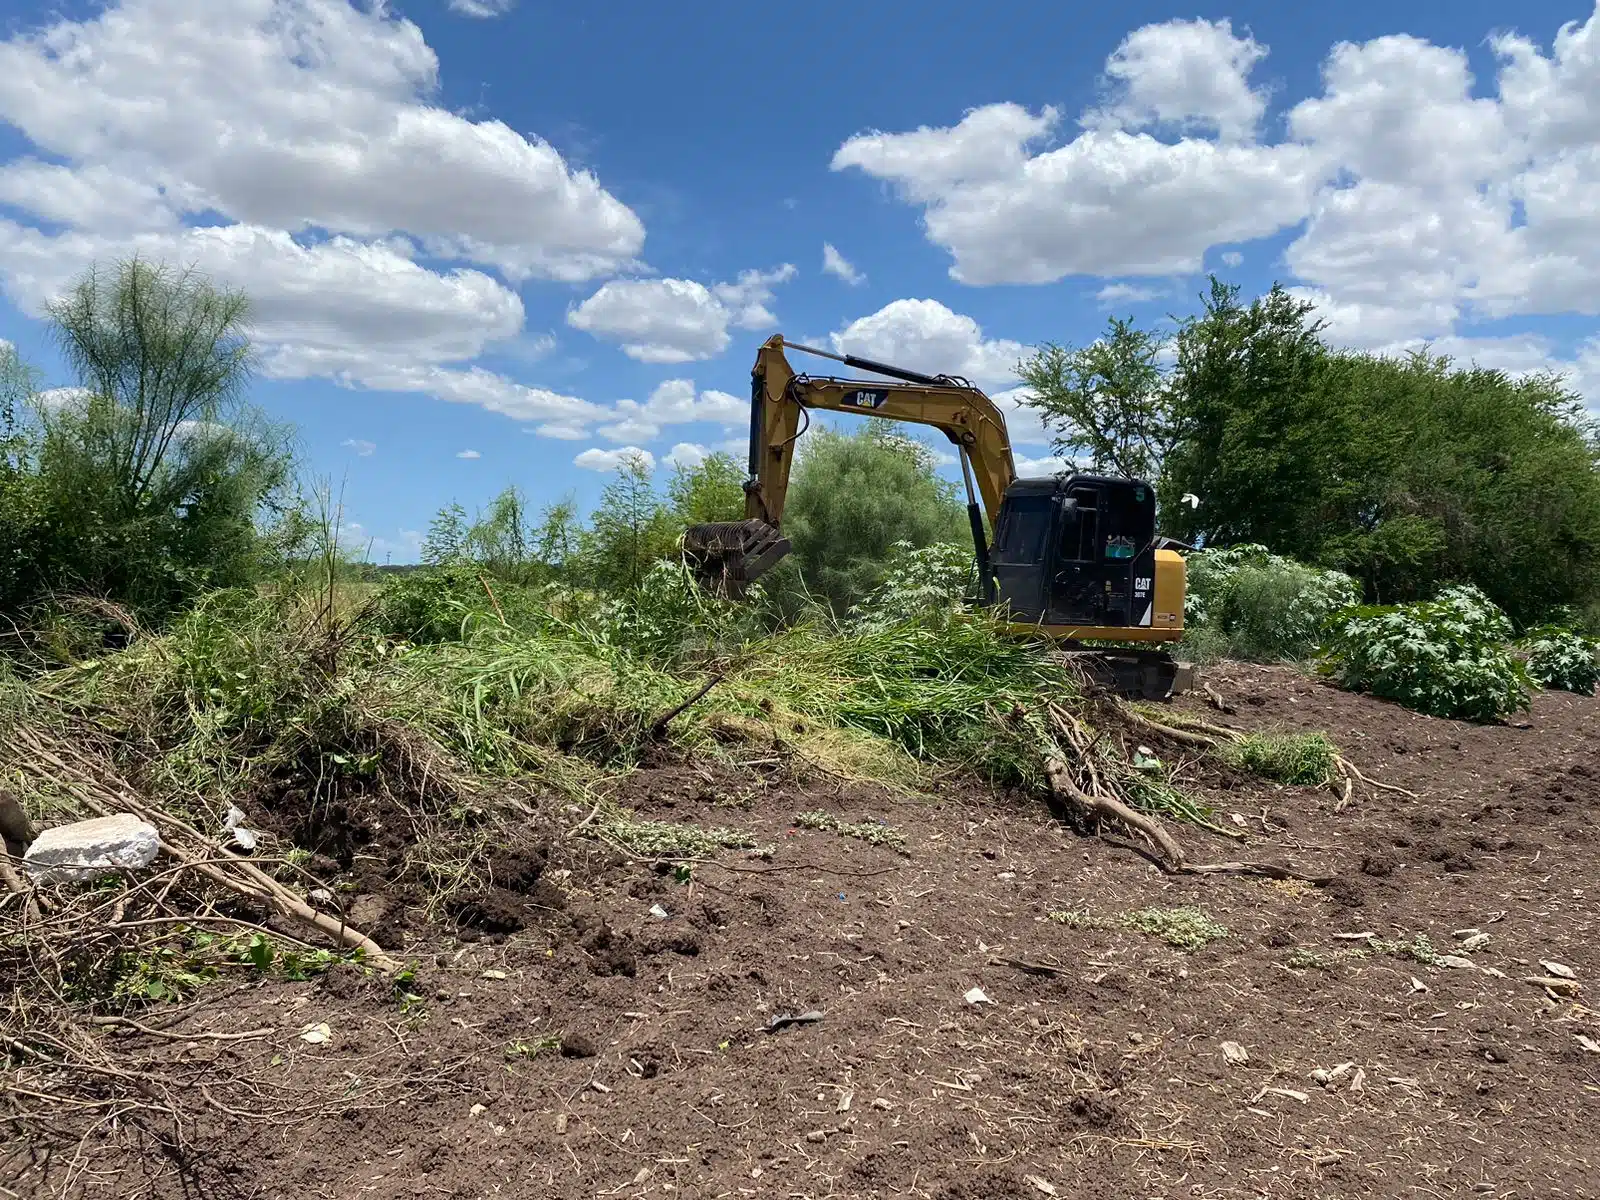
(728, 556)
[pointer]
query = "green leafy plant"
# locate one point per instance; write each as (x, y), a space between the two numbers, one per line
(1301, 758)
(1560, 658)
(867, 831)
(926, 584)
(1246, 602)
(1445, 657)
(1186, 927)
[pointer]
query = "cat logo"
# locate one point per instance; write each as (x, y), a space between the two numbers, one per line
(868, 398)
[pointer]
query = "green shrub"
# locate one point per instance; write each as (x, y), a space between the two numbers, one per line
(1246, 602)
(443, 603)
(1560, 658)
(1445, 657)
(1304, 758)
(929, 583)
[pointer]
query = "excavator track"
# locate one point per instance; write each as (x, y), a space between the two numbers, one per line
(1132, 674)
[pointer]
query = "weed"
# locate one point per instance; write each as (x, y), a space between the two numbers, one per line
(530, 1049)
(1418, 949)
(665, 839)
(1186, 928)
(1300, 758)
(867, 831)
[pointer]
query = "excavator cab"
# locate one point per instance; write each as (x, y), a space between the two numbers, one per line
(1078, 550)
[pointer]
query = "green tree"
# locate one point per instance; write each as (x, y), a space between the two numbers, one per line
(629, 530)
(448, 532)
(713, 490)
(1107, 401)
(853, 497)
(156, 480)
(1260, 433)
(1407, 473)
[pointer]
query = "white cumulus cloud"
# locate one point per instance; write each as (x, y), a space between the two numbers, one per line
(687, 454)
(295, 149)
(596, 459)
(482, 8)
(360, 447)
(836, 264)
(925, 336)
(468, 454)
(1423, 198)
(673, 402)
(678, 320)
(1187, 75)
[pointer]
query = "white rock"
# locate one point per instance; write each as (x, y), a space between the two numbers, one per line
(1561, 970)
(88, 848)
(1235, 1054)
(977, 996)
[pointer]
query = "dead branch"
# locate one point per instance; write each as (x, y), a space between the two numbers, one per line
(658, 727)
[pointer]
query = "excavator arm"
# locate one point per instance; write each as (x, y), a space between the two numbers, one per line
(732, 554)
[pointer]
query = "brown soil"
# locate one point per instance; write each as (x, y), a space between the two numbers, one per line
(614, 1054)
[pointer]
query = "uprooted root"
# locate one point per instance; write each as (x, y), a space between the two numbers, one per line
(1095, 787)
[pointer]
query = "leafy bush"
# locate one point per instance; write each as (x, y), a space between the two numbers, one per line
(441, 604)
(927, 584)
(1560, 658)
(1305, 758)
(1246, 602)
(1445, 657)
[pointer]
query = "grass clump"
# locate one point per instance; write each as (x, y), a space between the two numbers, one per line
(869, 831)
(1186, 928)
(667, 839)
(1299, 758)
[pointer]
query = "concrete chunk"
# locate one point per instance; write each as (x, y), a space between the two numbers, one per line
(87, 848)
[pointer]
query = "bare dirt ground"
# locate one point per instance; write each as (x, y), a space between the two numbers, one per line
(574, 1045)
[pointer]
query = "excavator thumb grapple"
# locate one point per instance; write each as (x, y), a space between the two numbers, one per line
(728, 556)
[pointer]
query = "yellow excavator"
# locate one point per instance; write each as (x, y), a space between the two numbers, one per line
(1075, 558)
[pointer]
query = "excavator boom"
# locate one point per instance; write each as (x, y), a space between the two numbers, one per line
(729, 555)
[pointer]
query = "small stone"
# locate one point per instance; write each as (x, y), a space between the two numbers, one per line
(844, 1102)
(1234, 1054)
(1358, 1081)
(316, 1034)
(658, 912)
(1456, 962)
(1588, 1043)
(492, 974)
(1560, 970)
(881, 1104)
(1417, 985)
(1475, 941)
(817, 1135)
(561, 1122)
(1321, 1078)
(477, 1110)
(976, 996)
(85, 849)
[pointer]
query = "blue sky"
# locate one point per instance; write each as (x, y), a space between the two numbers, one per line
(504, 229)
